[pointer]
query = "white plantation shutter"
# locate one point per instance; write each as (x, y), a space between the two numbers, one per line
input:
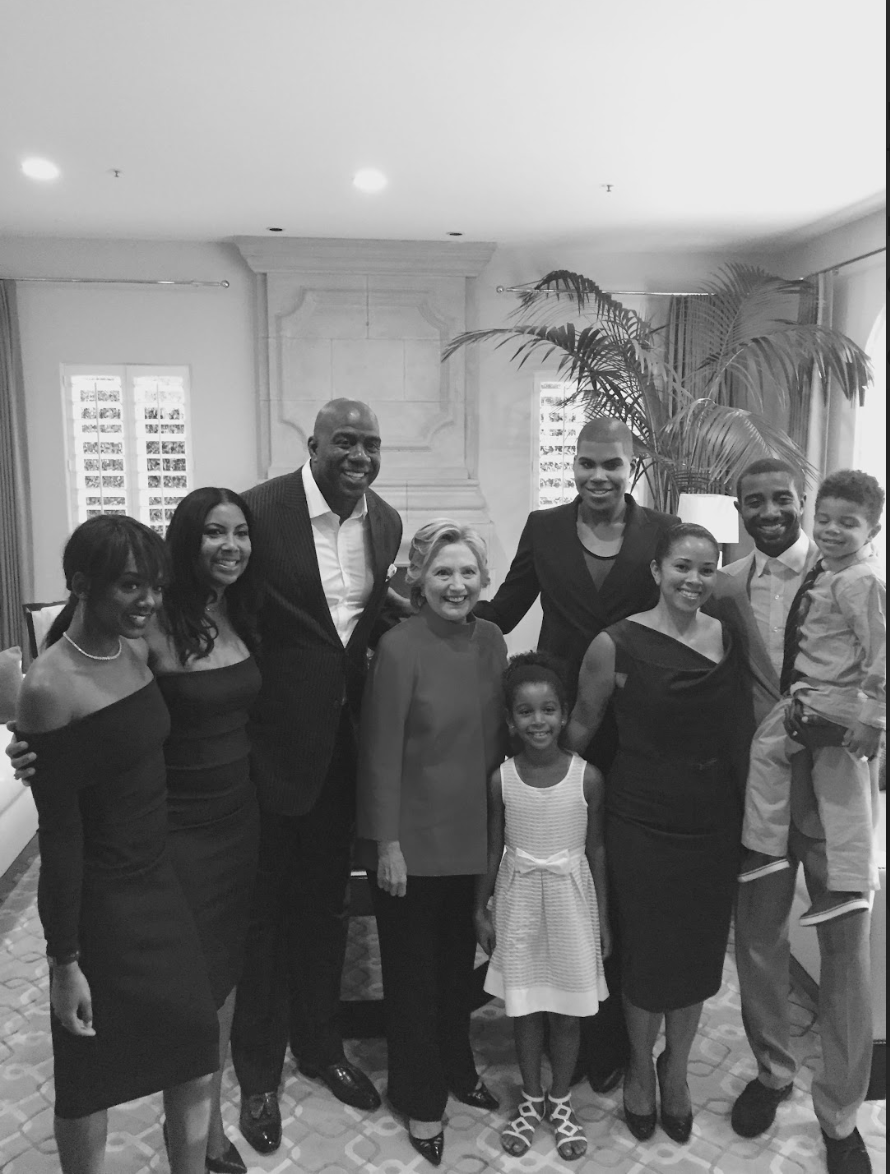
(558, 426)
(129, 444)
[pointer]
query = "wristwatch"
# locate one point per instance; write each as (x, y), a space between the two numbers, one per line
(63, 959)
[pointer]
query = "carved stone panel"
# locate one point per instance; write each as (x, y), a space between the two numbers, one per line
(372, 330)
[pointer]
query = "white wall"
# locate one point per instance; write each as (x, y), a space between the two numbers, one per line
(209, 330)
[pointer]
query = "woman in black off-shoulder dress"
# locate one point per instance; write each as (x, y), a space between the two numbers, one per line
(132, 1010)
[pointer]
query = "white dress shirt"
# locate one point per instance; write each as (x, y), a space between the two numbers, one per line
(343, 550)
(772, 587)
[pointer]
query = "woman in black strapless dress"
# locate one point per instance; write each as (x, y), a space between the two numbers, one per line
(200, 649)
(132, 1010)
(673, 814)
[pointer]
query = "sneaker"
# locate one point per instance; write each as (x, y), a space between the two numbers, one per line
(846, 1155)
(831, 905)
(755, 1110)
(758, 864)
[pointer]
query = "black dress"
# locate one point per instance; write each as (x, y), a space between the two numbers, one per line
(212, 806)
(107, 887)
(673, 815)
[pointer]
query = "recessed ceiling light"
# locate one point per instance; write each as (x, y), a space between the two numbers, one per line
(40, 169)
(369, 179)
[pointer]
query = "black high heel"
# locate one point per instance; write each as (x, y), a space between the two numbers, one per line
(641, 1125)
(430, 1148)
(480, 1097)
(231, 1161)
(678, 1129)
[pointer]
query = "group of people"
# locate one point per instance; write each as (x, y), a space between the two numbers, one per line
(210, 757)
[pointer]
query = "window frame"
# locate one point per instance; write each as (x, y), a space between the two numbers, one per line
(127, 373)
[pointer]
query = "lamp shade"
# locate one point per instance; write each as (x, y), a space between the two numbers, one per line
(715, 511)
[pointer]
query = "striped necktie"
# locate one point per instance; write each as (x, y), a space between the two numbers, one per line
(797, 613)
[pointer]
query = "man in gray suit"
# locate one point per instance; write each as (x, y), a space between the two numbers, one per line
(754, 595)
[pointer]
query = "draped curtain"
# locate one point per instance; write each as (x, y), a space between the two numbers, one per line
(15, 514)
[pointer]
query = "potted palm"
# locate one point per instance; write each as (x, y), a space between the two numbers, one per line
(696, 412)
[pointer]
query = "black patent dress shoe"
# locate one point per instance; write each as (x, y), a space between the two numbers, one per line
(481, 1097)
(260, 1122)
(755, 1108)
(606, 1081)
(348, 1083)
(231, 1161)
(846, 1155)
(430, 1148)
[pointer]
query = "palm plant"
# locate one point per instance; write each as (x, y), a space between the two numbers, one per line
(698, 419)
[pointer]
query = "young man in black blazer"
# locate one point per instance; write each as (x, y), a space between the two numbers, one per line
(589, 562)
(324, 542)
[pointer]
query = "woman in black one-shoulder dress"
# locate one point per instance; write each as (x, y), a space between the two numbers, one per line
(673, 814)
(132, 1010)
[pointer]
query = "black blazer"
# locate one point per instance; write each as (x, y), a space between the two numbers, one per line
(307, 673)
(550, 562)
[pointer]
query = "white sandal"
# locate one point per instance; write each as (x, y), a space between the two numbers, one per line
(566, 1126)
(522, 1125)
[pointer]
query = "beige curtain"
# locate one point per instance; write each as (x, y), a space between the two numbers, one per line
(15, 515)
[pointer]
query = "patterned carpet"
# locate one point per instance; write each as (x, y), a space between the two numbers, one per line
(321, 1136)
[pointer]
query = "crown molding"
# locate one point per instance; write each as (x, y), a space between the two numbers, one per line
(341, 255)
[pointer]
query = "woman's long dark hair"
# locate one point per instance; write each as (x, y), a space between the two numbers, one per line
(184, 617)
(99, 549)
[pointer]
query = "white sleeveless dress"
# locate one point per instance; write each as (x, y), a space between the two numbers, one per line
(547, 954)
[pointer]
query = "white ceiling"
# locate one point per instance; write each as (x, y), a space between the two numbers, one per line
(718, 123)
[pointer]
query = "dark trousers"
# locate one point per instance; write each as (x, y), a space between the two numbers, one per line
(427, 951)
(296, 941)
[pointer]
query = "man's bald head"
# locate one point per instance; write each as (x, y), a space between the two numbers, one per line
(344, 451)
(607, 430)
(337, 412)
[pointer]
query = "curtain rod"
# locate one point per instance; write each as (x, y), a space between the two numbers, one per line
(615, 293)
(849, 261)
(116, 281)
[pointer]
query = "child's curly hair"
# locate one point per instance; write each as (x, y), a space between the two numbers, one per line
(854, 485)
(535, 667)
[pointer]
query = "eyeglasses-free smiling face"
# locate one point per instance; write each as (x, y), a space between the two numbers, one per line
(125, 606)
(602, 472)
(536, 716)
(771, 510)
(687, 573)
(225, 546)
(452, 582)
(841, 528)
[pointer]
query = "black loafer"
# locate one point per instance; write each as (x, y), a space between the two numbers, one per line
(846, 1155)
(260, 1122)
(348, 1083)
(231, 1161)
(481, 1097)
(755, 1108)
(430, 1148)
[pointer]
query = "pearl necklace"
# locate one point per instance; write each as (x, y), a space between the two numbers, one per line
(92, 655)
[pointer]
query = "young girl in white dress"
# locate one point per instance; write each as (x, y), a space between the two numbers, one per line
(546, 867)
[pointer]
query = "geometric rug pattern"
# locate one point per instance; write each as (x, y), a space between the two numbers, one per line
(321, 1136)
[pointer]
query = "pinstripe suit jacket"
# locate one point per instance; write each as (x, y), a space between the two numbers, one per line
(307, 673)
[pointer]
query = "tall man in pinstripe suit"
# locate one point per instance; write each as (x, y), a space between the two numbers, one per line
(324, 542)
